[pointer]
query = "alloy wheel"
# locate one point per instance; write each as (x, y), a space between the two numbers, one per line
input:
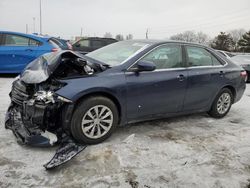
(223, 103)
(97, 121)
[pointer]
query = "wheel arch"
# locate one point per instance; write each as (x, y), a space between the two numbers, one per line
(106, 94)
(232, 89)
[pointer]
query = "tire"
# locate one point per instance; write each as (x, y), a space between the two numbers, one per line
(215, 110)
(85, 117)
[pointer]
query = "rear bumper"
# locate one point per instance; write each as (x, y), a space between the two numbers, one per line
(240, 91)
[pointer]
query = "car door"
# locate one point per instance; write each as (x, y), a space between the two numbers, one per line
(160, 91)
(16, 52)
(205, 76)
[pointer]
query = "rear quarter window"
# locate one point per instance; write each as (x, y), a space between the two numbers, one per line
(33, 42)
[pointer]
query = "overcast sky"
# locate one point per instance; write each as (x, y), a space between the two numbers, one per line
(163, 17)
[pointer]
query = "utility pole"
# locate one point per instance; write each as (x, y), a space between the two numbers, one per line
(81, 31)
(147, 33)
(34, 24)
(26, 28)
(40, 17)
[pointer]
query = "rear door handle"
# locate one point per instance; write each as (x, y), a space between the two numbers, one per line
(181, 77)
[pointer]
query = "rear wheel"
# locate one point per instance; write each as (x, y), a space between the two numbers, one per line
(94, 120)
(221, 104)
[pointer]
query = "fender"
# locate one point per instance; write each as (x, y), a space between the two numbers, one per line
(118, 98)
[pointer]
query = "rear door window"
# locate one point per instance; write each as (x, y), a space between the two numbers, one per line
(197, 57)
(16, 40)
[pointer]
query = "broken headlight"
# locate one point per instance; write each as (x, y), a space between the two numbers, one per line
(45, 96)
(49, 97)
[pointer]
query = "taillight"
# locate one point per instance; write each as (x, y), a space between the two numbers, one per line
(243, 74)
(54, 49)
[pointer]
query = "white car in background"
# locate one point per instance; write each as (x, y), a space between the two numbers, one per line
(244, 62)
(225, 53)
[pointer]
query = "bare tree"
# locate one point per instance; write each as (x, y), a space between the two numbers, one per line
(202, 38)
(236, 36)
(192, 36)
(119, 37)
(107, 35)
(188, 36)
(129, 37)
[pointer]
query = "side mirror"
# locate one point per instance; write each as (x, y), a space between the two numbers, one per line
(144, 66)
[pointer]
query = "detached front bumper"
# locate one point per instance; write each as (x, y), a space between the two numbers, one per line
(28, 131)
(36, 120)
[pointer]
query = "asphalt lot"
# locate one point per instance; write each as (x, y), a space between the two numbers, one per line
(187, 151)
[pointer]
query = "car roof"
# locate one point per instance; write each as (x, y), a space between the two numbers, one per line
(27, 35)
(158, 42)
(102, 38)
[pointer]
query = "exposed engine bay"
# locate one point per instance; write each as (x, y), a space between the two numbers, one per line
(36, 115)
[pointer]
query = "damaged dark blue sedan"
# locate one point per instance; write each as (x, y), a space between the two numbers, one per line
(81, 99)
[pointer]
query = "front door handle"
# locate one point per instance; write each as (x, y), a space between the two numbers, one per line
(181, 77)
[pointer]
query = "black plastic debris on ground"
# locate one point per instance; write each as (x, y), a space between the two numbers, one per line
(32, 136)
(63, 154)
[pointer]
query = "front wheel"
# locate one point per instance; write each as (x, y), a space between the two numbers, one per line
(94, 120)
(221, 104)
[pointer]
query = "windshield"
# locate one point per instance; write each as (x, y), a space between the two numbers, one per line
(114, 54)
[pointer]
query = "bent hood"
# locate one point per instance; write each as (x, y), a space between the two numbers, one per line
(43, 67)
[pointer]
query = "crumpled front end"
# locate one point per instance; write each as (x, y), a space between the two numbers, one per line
(40, 117)
(30, 135)
(35, 118)
(32, 113)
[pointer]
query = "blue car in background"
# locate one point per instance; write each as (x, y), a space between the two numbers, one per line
(19, 49)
